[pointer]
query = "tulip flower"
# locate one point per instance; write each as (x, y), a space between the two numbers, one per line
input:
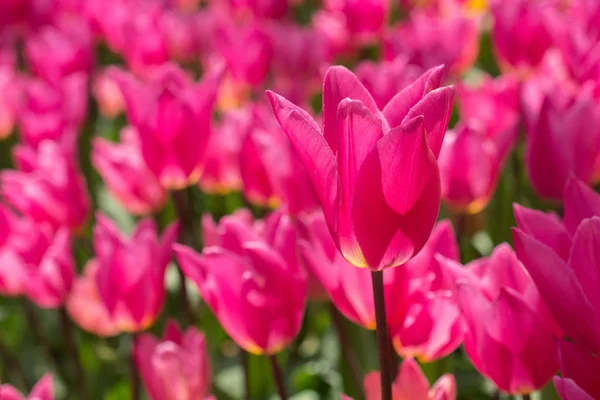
(331, 28)
(271, 171)
(10, 88)
(52, 110)
(86, 308)
(493, 103)
(260, 8)
(412, 384)
(429, 39)
(43, 390)
(568, 390)
(107, 92)
(510, 334)
(520, 33)
(55, 52)
(47, 186)
(373, 190)
(256, 291)
(563, 139)
(581, 202)
(179, 31)
(364, 19)
(131, 271)
(176, 366)
(172, 116)
(122, 168)
(470, 166)
(385, 79)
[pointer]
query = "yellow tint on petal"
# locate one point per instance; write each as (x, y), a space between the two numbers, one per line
(354, 255)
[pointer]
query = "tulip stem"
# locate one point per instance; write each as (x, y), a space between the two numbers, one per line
(526, 397)
(133, 371)
(278, 377)
(68, 332)
(185, 214)
(348, 353)
(383, 344)
(246, 368)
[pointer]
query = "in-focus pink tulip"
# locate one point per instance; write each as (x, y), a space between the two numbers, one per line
(412, 384)
(364, 18)
(511, 335)
(86, 308)
(173, 118)
(375, 172)
(34, 260)
(54, 111)
(43, 390)
(429, 39)
(177, 366)
(252, 282)
(470, 165)
(520, 32)
(271, 171)
(563, 138)
(383, 80)
(493, 103)
(131, 271)
(55, 52)
(47, 186)
(124, 172)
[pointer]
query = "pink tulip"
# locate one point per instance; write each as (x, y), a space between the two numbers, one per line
(387, 78)
(493, 103)
(581, 202)
(179, 31)
(10, 88)
(86, 308)
(261, 8)
(364, 18)
(176, 366)
(373, 190)
(43, 390)
(568, 390)
(173, 118)
(332, 29)
(35, 261)
(131, 271)
(52, 110)
(470, 166)
(563, 139)
(271, 171)
(520, 33)
(47, 186)
(429, 39)
(510, 334)
(107, 92)
(412, 384)
(252, 283)
(55, 52)
(122, 168)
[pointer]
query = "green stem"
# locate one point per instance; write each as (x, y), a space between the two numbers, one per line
(348, 353)
(383, 343)
(246, 368)
(133, 371)
(278, 377)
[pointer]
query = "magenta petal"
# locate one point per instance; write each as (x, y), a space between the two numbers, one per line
(340, 83)
(436, 109)
(558, 286)
(411, 383)
(544, 227)
(580, 365)
(581, 201)
(44, 389)
(568, 390)
(397, 108)
(312, 148)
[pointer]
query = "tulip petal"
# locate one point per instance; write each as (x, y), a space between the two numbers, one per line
(372, 386)
(44, 389)
(581, 201)
(312, 148)
(558, 286)
(411, 383)
(568, 390)
(340, 83)
(580, 365)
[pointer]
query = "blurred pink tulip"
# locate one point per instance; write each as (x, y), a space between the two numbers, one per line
(412, 384)
(35, 261)
(131, 271)
(271, 171)
(54, 111)
(176, 366)
(364, 18)
(86, 308)
(563, 139)
(374, 190)
(429, 39)
(10, 89)
(43, 390)
(125, 174)
(179, 31)
(383, 80)
(520, 33)
(261, 8)
(331, 28)
(510, 335)
(107, 92)
(252, 282)
(470, 165)
(47, 186)
(55, 52)
(173, 118)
